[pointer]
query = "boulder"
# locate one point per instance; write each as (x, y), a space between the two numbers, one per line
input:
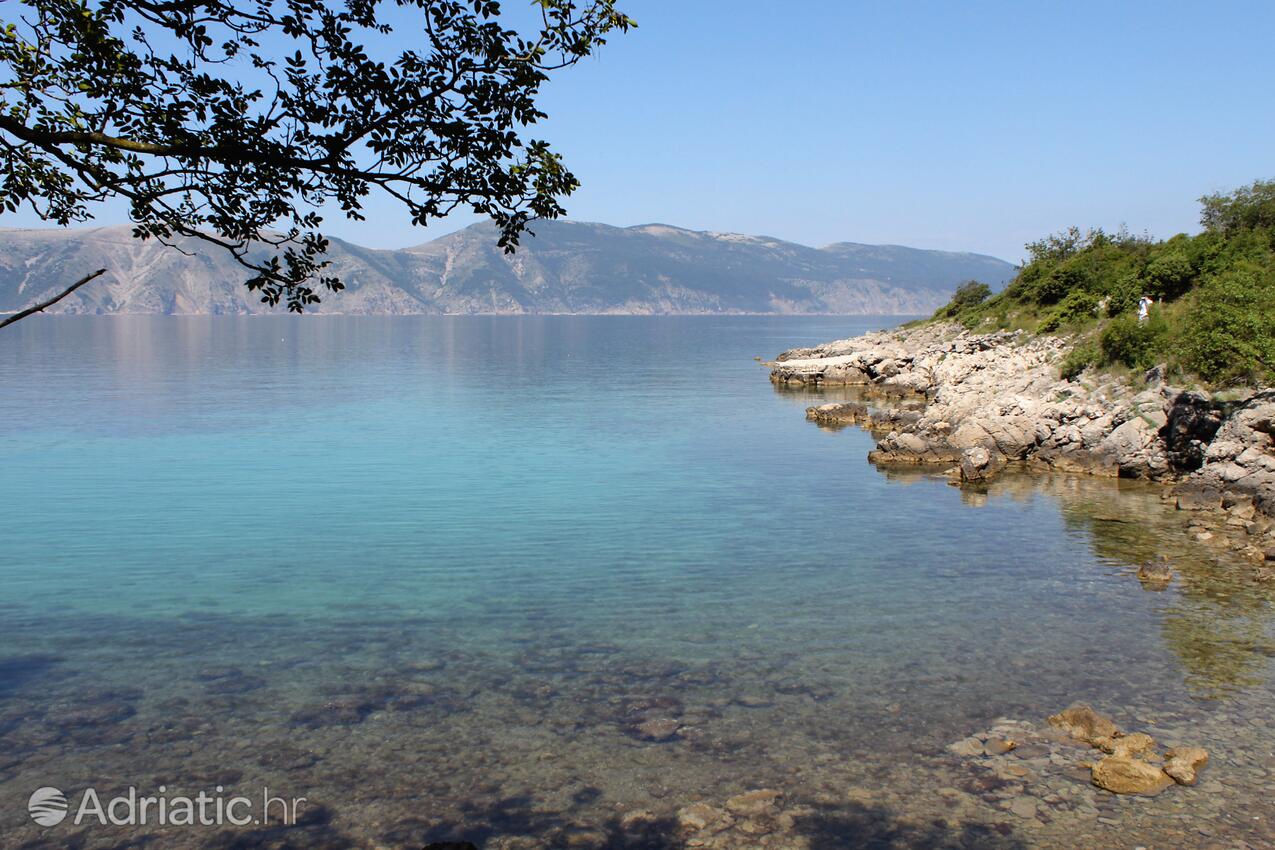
(1183, 763)
(1192, 423)
(1124, 775)
(976, 464)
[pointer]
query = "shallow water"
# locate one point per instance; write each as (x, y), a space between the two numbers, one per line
(433, 574)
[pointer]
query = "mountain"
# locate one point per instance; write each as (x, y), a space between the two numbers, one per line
(567, 267)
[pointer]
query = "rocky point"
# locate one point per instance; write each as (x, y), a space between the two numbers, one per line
(977, 404)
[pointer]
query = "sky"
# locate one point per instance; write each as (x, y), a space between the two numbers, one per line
(959, 126)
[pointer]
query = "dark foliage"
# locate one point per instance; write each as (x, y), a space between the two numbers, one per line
(237, 123)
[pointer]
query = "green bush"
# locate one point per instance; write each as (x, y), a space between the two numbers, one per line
(1079, 306)
(1170, 274)
(1079, 359)
(1124, 294)
(1230, 329)
(1133, 343)
(969, 294)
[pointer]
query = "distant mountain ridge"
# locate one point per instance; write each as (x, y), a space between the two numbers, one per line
(567, 267)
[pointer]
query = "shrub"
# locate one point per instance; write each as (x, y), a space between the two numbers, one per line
(1170, 274)
(1230, 330)
(1124, 294)
(1080, 358)
(969, 294)
(1131, 342)
(1078, 306)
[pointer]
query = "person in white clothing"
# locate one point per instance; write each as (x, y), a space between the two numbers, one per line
(1144, 307)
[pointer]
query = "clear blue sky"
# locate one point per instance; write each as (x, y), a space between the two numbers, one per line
(963, 126)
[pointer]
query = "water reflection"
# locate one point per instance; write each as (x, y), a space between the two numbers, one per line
(1217, 620)
(544, 583)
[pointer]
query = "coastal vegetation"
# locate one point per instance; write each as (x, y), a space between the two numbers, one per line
(1213, 317)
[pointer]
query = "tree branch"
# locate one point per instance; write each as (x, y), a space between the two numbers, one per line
(55, 299)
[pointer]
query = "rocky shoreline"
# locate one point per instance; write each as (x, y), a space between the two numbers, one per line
(977, 404)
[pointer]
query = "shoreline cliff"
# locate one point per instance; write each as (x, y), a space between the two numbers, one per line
(977, 404)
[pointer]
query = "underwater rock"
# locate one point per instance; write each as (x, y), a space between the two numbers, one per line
(657, 729)
(967, 747)
(1084, 724)
(699, 816)
(286, 756)
(1123, 775)
(338, 711)
(764, 801)
(217, 671)
(753, 701)
(425, 665)
(235, 684)
(998, 746)
(94, 714)
(1156, 575)
(1183, 763)
(752, 820)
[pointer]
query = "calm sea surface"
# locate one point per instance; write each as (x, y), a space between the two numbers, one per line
(451, 578)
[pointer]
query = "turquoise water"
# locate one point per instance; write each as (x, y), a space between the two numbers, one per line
(443, 563)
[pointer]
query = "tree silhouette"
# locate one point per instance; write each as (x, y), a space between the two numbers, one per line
(239, 123)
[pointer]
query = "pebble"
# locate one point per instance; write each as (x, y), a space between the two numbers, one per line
(1024, 807)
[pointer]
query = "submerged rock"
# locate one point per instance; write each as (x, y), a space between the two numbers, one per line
(748, 821)
(998, 746)
(1184, 763)
(764, 801)
(1156, 575)
(657, 729)
(967, 747)
(698, 816)
(1124, 775)
(1084, 724)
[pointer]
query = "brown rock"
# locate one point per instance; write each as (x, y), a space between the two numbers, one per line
(1156, 575)
(998, 746)
(637, 819)
(1128, 746)
(699, 816)
(1084, 724)
(1183, 763)
(977, 464)
(764, 801)
(967, 747)
(658, 729)
(1121, 775)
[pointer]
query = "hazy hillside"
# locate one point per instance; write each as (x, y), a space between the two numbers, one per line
(568, 267)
